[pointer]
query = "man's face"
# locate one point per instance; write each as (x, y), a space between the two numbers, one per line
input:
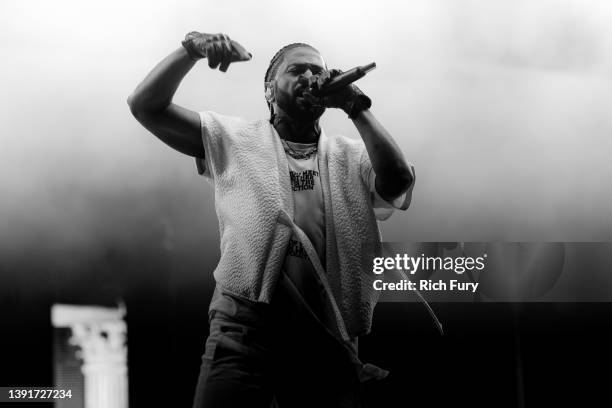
(292, 76)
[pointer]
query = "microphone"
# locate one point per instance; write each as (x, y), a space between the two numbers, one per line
(343, 79)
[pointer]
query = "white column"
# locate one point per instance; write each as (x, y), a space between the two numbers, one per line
(101, 335)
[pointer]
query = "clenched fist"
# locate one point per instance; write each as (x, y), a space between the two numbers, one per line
(218, 48)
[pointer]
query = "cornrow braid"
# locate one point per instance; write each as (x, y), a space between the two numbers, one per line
(273, 68)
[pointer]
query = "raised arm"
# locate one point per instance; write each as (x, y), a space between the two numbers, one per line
(151, 102)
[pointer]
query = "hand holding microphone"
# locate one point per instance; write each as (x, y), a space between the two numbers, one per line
(334, 89)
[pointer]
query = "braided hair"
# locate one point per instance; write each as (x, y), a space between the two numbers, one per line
(273, 69)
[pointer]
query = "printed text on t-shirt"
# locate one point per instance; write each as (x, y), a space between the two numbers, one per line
(296, 249)
(303, 180)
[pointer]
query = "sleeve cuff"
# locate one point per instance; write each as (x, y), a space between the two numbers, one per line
(383, 208)
(201, 162)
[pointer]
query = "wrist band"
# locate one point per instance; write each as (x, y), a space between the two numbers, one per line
(359, 103)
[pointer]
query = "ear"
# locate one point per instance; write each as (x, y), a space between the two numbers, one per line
(270, 91)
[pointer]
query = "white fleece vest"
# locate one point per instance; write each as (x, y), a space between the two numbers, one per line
(254, 205)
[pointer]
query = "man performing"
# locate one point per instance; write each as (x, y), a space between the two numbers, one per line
(297, 214)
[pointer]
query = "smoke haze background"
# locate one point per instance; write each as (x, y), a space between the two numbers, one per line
(503, 108)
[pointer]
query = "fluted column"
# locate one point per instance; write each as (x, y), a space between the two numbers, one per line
(100, 333)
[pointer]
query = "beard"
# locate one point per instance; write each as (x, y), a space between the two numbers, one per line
(298, 109)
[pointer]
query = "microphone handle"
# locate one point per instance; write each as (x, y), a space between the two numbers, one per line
(344, 79)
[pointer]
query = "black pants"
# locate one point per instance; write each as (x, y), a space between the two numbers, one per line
(279, 352)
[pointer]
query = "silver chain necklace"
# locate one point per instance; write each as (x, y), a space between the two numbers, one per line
(299, 155)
